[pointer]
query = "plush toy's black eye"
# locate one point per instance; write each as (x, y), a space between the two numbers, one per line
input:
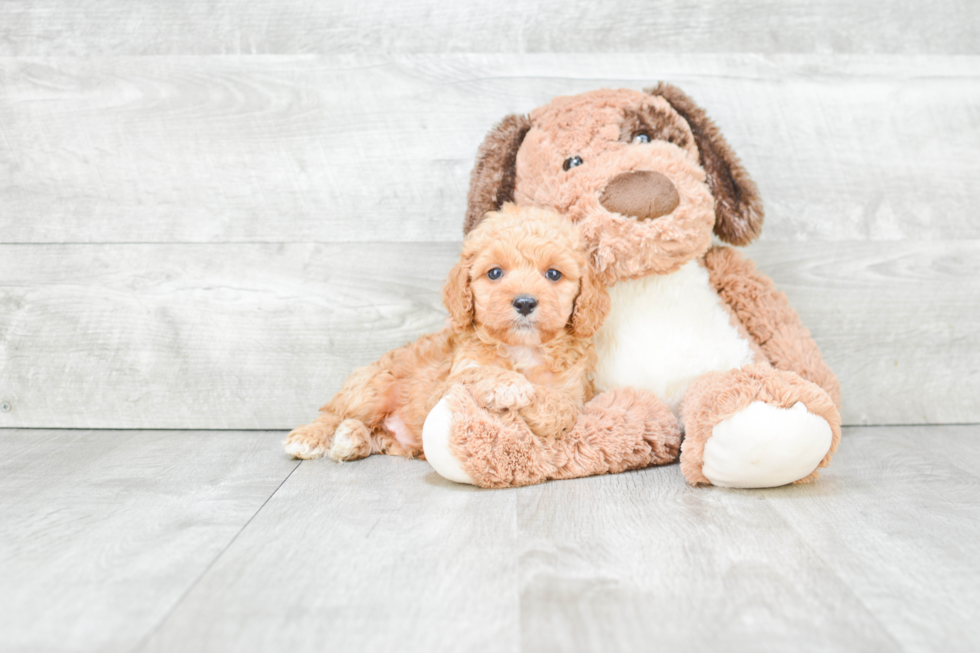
(641, 137)
(495, 274)
(572, 162)
(553, 274)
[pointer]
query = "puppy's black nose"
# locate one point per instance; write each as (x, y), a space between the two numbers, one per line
(525, 304)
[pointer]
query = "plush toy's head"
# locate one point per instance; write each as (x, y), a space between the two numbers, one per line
(646, 176)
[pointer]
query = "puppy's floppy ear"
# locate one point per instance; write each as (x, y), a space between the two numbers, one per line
(493, 176)
(738, 209)
(457, 296)
(591, 305)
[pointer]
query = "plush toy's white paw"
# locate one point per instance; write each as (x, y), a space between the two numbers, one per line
(435, 444)
(765, 446)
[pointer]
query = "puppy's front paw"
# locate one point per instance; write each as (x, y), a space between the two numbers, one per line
(514, 393)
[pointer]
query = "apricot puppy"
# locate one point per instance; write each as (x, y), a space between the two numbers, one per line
(523, 308)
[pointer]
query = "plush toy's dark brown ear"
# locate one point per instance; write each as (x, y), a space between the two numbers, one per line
(492, 179)
(738, 209)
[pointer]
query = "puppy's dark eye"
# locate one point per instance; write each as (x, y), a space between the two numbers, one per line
(572, 162)
(495, 274)
(553, 274)
(641, 137)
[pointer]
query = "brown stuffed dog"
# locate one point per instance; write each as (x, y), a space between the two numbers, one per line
(647, 177)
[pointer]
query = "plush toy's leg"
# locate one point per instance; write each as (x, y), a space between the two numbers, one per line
(756, 427)
(618, 430)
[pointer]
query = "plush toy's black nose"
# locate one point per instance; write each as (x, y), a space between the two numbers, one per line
(525, 304)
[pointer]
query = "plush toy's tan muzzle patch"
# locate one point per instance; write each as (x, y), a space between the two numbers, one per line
(643, 194)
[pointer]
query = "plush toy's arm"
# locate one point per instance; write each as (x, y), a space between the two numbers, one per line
(552, 413)
(617, 430)
(769, 319)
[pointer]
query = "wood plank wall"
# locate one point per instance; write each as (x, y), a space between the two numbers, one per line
(211, 212)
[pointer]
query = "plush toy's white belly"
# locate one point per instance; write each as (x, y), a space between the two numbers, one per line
(663, 332)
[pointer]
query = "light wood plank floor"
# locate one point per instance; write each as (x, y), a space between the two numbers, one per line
(215, 541)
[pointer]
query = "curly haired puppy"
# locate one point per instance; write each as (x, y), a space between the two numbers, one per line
(523, 308)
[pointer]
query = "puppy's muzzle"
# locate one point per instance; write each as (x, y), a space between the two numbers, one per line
(642, 194)
(525, 304)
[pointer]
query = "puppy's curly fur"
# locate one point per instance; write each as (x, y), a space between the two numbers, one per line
(523, 307)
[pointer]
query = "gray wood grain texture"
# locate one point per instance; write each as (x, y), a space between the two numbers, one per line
(382, 555)
(99, 27)
(388, 556)
(877, 555)
(103, 532)
(379, 148)
(259, 336)
(917, 507)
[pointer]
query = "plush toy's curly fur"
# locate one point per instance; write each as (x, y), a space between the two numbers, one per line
(618, 430)
(647, 177)
(515, 375)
